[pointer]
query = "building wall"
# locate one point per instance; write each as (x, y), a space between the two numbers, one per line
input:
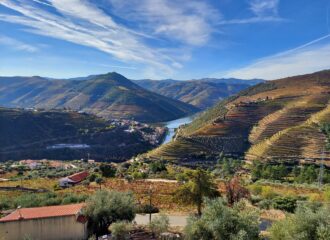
(56, 228)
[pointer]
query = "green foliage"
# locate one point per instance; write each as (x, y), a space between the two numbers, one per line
(265, 171)
(199, 186)
(157, 166)
(300, 174)
(221, 222)
(227, 167)
(107, 170)
(106, 207)
(146, 208)
(306, 224)
(40, 199)
(159, 224)
(120, 230)
(307, 175)
(327, 194)
(288, 204)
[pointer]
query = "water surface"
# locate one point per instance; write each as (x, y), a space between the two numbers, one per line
(172, 125)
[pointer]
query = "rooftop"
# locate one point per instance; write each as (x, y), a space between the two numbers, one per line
(78, 177)
(43, 212)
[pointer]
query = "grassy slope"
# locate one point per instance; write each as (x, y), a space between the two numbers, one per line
(109, 95)
(270, 121)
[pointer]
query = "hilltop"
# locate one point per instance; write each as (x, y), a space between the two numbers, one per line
(67, 135)
(202, 93)
(285, 120)
(109, 95)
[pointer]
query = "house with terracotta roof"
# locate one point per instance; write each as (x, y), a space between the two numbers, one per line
(64, 222)
(73, 179)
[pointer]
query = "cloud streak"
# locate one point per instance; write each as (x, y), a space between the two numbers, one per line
(190, 22)
(80, 22)
(17, 45)
(262, 10)
(309, 57)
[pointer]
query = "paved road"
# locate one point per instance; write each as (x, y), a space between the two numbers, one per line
(175, 220)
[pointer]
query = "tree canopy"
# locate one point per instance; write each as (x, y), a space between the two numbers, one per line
(106, 207)
(308, 223)
(200, 184)
(220, 222)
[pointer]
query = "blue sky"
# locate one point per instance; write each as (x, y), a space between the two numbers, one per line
(182, 39)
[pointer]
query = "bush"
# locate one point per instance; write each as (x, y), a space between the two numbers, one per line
(285, 203)
(327, 194)
(267, 192)
(219, 221)
(305, 224)
(256, 189)
(265, 204)
(107, 170)
(159, 224)
(120, 230)
(146, 208)
(157, 166)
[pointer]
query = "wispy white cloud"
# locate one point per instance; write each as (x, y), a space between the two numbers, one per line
(81, 22)
(191, 22)
(262, 10)
(17, 45)
(310, 57)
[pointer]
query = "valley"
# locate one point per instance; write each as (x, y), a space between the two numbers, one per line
(277, 121)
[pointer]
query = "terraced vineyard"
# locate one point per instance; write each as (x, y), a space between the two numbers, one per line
(275, 121)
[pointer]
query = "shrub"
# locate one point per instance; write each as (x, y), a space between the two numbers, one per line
(107, 170)
(305, 224)
(219, 221)
(256, 189)
(265, 204)
(120, 230)
(285, 203)
(157, 166)
(267, 192)
(146, 208)
(327, 194)
(159, 224)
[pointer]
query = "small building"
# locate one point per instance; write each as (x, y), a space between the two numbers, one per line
(73, 179)
(64, 222)
(32, 164)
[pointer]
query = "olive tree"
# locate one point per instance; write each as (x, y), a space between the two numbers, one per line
(106, 207)
(219, 221)
(308, 223)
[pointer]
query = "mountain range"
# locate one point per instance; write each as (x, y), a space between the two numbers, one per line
(108, 95)
(285, 120)
(201, 93)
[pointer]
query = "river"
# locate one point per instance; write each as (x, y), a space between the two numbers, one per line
(172, 125)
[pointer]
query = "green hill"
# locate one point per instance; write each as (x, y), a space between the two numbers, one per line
(109, 95)
(202, 93)
(277, 121)
(41, 134)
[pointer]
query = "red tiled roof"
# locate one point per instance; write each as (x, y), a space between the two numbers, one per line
(43, 212)
(78, 177)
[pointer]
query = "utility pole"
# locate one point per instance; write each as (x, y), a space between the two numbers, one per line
(150, 195)
(321, 170)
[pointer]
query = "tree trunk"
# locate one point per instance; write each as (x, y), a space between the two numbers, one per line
(199, 209)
